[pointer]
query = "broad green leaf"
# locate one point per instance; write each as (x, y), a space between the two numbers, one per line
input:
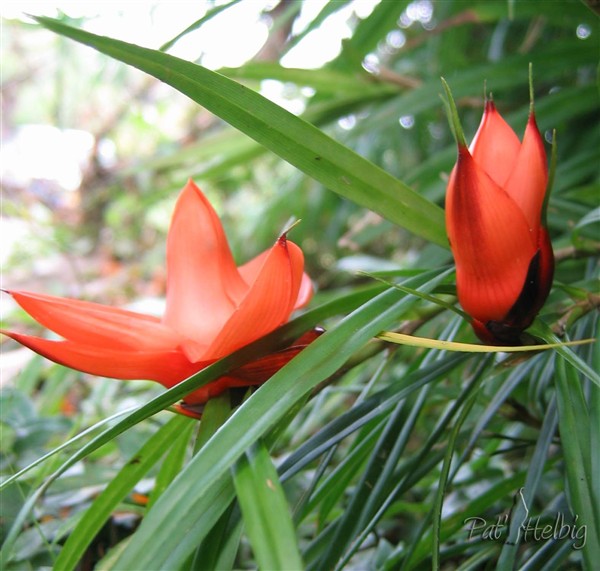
(292, 138)
(265, 511)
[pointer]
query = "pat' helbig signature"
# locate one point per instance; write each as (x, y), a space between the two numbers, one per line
(531, 529)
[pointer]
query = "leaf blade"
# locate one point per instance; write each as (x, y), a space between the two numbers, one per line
(265, 511)
(293, 139)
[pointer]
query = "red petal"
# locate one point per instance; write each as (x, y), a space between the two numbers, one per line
(306, 292)
(269, 301)
(250, 270)
(211, 390)
(295, 268)
(546, 273)
(165, 367)
(490, 239)
(529, 178)
(203, 283)
(260, 370)
(255, 372)
(96, 324)
(495, 146)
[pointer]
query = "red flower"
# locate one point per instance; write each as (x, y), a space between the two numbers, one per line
(494, 203)
(212, 309)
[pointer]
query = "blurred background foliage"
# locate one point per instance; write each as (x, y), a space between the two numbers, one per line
(94, 153)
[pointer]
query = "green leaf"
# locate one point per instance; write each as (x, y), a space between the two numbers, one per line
(576, 436)
(265, 511)
(97, 514)
(453, 117)
(223, 489)
(180, 510)
(219, 548)
(325, 81)
(541, 330)
(216, 411)
(173, 462)
(506, 561)
(467, 397)
(292, 138)
(368, 33)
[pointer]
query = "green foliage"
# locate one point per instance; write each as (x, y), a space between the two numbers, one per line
(358, 454)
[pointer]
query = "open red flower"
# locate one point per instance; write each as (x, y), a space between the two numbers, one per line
(212, 309)
(494, 204)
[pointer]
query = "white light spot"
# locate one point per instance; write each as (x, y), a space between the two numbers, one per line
(417, 11)
(395, 39)
(407, 121)
(307, 92)
(420, 11)
(583, 31)
(347, 122)
(371, 63)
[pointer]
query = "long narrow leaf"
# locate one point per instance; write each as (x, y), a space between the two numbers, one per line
(292, 138)
(97, 514)
(180, 509)
(573, 419)
(265, 511)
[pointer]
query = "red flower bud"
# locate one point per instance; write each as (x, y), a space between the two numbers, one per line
(494, 203)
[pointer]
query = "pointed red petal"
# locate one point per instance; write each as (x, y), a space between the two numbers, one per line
(249, 271)
(529, 177)
(495, 146)
(96, 324)
(255, 372)
(269, 301)
(203, 283)
(490, 239)
(296, 269)
(166, 367)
